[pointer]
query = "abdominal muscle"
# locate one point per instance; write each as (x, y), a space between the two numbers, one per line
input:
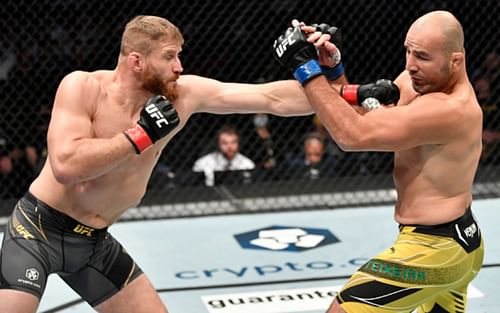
(429, 198)
(98, 202)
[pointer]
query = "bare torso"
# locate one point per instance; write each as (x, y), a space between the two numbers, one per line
(434, 181)
(100, 201)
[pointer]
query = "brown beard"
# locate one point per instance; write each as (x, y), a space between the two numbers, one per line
(170, 91)
(153, 83)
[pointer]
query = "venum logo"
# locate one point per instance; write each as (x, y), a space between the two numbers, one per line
(471, 230)
(286, 238)
(32, 274)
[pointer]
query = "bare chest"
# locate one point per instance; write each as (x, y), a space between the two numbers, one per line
(416, 161)
(108, 121)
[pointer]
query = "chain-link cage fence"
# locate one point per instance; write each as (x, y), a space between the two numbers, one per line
(43, 40)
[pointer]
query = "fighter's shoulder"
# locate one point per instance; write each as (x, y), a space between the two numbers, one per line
(194, 81)
(80, 89)
(434, 98)
(196, 89)
(82, 79)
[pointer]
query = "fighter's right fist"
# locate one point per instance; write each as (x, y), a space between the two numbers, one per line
(158, 118)
(294, 51)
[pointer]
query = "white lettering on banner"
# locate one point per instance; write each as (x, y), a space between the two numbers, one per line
(264, 270)
(285, 300)
(274, 301)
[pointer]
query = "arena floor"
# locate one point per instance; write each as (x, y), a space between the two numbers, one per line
(220, 264)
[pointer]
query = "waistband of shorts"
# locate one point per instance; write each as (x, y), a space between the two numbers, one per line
(69, 223)
(445, 229)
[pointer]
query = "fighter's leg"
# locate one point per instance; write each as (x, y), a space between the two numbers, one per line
(453, 301)
(15, 301)
(112, 281)
(138, 297)
(24, 265)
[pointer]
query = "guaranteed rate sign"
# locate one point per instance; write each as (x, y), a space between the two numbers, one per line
(275, 301)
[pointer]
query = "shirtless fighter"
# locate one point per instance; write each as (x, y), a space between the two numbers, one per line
(435, 134)
(106, 133)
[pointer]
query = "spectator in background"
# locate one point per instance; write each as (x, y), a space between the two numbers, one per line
(8, 58)
(36, 152)
(226, 158)
(5, 166)
(490, 105)
(313, 162)
(331, 146)
(15, 170)
(260, 145)
(22, 171)
(490, 70)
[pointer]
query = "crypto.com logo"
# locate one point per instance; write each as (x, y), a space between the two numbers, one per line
(286, 238)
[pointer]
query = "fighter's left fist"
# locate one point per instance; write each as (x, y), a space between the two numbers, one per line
(384, 90)
(294, 51)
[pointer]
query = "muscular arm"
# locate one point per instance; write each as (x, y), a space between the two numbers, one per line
(430, 119)
(284, 98)
(74, 155)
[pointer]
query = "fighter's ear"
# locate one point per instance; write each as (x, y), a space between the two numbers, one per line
(457, 60)
(135, 61)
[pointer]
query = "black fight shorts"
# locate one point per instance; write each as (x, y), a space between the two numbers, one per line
(39, 241)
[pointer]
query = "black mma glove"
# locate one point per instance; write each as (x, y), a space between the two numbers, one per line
(158, 118)
(293, 51)
(337, 69)
(334, 32)
(384, 90)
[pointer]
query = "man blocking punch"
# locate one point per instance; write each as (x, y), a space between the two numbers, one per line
(435, 132)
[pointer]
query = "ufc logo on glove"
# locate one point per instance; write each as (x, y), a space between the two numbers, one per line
(153, 111)
(284, 44)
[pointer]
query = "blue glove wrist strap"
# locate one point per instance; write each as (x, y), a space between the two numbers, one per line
(306, 71)
(333, 73)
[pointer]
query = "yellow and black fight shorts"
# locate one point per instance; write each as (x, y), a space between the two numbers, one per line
(428, 268)
(40, 240)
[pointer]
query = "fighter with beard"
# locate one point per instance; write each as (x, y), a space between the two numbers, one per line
(106, 133)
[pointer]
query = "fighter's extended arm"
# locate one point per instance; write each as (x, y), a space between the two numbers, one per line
(283, 98)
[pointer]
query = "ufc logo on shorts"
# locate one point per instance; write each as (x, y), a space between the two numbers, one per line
(83, 230)
(284, 45)
(157, 115)
(24, 232)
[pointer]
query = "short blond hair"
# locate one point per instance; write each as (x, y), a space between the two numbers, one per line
(144, 30)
